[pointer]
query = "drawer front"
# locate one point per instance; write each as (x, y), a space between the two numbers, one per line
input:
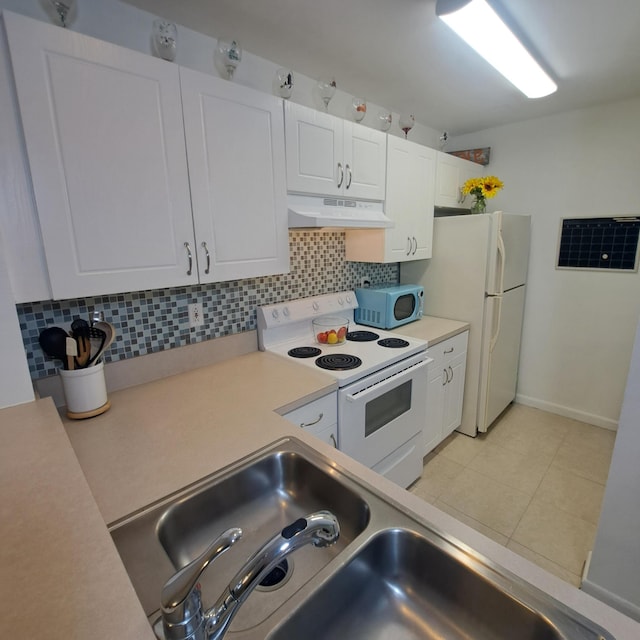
(318, 414)
(450, 348)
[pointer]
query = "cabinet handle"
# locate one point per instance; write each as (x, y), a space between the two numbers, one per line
(449, 350)
(310, 424)
(335, 444)
(348, 175)
(341, 170)
(206, 252)
(408, 246)
(188, 248)
(450, 379)
(445, 377)
(415, 245)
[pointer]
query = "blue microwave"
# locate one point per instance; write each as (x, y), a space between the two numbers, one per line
(389, 306)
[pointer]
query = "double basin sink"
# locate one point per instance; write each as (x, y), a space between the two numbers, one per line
(388, 576)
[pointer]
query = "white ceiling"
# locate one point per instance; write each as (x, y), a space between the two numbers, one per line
(397, 54)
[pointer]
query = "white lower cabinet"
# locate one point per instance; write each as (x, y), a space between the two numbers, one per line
(445, 389)
(319, 418)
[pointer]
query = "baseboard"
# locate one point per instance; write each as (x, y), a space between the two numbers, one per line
(604, 595)
(568, 412)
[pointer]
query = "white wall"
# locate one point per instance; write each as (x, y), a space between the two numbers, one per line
(614, 571)
(579, 326)
(15, 383)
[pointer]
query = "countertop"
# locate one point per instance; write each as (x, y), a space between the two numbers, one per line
(432, 329)
(57, 557)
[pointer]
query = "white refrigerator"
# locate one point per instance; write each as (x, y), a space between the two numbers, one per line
(478, 274)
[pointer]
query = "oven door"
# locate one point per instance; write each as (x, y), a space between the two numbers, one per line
(381, 413)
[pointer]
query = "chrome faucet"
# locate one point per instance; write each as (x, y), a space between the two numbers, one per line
(181, 605)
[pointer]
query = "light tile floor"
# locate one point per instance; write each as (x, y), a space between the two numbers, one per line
(534, 483)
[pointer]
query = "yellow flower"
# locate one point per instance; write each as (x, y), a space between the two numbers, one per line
(487, 187)
(491, 185)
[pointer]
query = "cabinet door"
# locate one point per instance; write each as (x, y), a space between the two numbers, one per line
(314, 146)
(451, 174)
(454, 392)
(365, 161)
(103, 130)
(435, 409)
(423, 189)
(235, 148)
(399, 241)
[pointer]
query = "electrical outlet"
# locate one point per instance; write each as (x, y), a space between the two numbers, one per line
(196, 318)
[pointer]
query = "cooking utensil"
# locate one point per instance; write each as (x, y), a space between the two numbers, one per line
(53, 341)
(72, 352)
(110, 333)
(80, 331)
(97, 339)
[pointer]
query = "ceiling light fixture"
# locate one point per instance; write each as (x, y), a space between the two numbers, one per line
(483, 30)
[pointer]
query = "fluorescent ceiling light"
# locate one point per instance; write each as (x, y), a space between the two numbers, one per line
(483, 30)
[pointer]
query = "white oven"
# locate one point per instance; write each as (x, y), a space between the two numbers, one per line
(381, 376)
(380, 419)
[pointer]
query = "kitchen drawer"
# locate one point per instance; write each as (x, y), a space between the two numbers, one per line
(451, 347)
(318, 414)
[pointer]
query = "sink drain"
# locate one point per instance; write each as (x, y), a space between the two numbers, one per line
(277, 577)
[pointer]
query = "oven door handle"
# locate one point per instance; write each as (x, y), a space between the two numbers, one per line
(358, 395)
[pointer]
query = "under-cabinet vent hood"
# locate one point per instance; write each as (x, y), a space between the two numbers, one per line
(316, 212)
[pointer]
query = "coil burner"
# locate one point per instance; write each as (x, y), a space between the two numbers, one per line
(362, 336)
(338, 362)
(393, 343)
(304, 352)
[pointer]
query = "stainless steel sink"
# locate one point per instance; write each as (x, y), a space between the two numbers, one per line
(261, 495)
(391, 574)
(404, 586)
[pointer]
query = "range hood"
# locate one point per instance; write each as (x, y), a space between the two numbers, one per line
(317, 211)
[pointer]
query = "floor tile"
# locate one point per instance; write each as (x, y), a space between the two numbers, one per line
(589, 436)
(474, 524)
(460, 448)
(583, 460)
(572, 493)
(515, 469)
(437, 475)
(544, 563)
(492, 503)
(556, 535)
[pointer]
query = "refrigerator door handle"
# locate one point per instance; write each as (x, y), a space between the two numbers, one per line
(501, 258)
(496, 323)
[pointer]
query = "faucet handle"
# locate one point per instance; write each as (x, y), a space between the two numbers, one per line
(180, 599)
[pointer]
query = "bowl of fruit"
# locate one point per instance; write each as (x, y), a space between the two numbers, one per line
(330, 329)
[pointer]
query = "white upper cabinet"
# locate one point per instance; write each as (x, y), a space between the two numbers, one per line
(409, 203)
(451, 174)
(124, 202)
(235, 149)
(104, 137)
(333, 157)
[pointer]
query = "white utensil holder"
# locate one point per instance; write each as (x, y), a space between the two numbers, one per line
(85, 392)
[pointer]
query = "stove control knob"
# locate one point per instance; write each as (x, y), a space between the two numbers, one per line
(275, 314)
(340, 301)
(285, 312)
(349, 299)
(315, 306)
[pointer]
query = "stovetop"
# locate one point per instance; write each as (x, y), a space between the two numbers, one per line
(287, 326)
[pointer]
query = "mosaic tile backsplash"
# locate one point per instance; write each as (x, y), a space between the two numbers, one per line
(150, 321)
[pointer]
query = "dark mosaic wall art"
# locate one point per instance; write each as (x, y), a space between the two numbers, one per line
(150, 321)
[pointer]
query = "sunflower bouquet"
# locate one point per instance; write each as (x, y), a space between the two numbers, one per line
(481, 189)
